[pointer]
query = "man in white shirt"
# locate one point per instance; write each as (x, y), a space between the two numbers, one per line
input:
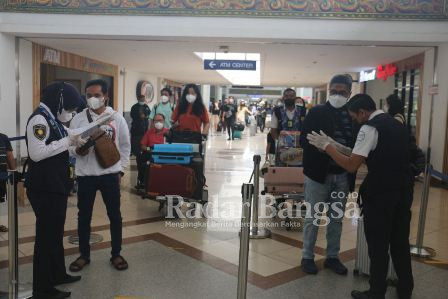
(92, 176)
(383, 144)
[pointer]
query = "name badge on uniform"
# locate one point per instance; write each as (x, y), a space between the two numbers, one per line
(290, 124)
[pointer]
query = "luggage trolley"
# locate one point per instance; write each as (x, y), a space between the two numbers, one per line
(285, 180)
(186, 151)
(297, 198)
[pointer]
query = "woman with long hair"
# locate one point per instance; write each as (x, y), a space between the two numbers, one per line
(394, 106)
(191, 114)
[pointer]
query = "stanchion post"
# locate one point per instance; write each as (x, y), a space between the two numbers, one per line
(419, 250)
(12, 236)
(247, 192)
(15, 290)
(255, 231)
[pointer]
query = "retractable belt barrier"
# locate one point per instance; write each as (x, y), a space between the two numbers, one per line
(247, 192)
(438, 174)
(255, 231)
(13, 240)
(249, 225)
(17, 138)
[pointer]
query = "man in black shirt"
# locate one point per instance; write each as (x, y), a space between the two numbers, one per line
(6, 162)
(229, 117)
(326, 184)
(382, 143)
(140, 120)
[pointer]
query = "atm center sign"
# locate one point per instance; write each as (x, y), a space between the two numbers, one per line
(235, 65)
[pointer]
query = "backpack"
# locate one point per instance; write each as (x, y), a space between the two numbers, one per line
(157, 106)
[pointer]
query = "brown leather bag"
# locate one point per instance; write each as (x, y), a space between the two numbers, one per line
(106, 151)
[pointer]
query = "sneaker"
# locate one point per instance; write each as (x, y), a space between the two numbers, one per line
(309, 266)
(335, 265)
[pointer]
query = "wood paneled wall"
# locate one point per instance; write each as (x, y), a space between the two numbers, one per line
(71, 61)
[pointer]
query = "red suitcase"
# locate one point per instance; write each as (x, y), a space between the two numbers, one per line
(284, 180)
(171, 180)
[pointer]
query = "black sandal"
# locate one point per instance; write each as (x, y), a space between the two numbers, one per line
(79, 264)
(119, 263)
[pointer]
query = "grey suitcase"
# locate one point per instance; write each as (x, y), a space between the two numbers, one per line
(362, 261)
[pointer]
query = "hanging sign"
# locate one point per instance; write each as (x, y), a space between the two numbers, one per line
(236, 65)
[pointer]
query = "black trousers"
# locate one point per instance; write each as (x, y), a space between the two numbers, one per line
(48, 262)
(387, 220)
(109, 187)
(142, 159)
(229, 124)
(261, 123)
(135, 143)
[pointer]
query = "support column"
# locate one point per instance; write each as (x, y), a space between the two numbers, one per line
(205, 91)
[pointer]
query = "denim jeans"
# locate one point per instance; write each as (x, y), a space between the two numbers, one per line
(334, 195)
(109, 187)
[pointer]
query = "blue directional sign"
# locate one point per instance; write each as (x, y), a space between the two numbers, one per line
(235, 65)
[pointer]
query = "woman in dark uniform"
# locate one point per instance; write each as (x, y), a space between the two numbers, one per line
(48, 185)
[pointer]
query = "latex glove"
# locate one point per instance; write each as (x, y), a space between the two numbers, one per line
(345, 150)
(81, 142)
(319, 141)
(73, 138)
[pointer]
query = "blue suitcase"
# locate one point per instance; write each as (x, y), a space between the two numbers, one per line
(237, 134)
(174, 153)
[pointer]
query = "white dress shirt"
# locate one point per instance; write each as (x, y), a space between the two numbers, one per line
(367, 139)
(38, 150)
(118, 129)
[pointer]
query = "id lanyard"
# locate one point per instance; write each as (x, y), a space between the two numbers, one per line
(54, 124)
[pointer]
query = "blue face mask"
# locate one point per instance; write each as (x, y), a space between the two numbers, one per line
(141, 103)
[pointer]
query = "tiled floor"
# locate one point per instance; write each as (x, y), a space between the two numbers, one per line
(207, 250)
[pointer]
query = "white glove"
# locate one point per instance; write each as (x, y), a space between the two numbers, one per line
(75, 139)
(345, 150)
(319, 141)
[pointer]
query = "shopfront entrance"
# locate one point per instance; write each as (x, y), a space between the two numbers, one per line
(51, 65)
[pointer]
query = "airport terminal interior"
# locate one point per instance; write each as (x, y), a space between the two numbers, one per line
(255, 53)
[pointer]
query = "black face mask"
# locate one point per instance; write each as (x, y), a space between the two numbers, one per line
(290, 102)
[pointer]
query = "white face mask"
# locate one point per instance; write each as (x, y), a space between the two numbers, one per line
(337, 101)
(386, 108)
(165, 99)
(65, 116)
(95, 103)
(158, 125)
(191, 98)
(141, 103)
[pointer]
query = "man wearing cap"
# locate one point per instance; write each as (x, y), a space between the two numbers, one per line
(326, 184)
(48, 184)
